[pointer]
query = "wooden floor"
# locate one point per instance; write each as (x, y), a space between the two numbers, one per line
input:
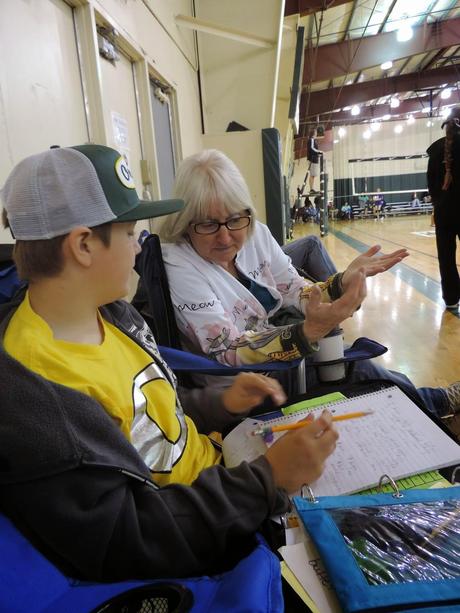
(404, 309)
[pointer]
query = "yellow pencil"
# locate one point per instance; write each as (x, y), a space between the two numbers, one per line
(264, 430)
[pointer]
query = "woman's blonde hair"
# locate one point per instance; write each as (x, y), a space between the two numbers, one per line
(203, 179)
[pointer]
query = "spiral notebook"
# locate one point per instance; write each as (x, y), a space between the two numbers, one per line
(397, 439)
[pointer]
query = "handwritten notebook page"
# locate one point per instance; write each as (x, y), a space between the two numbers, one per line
(398, 439)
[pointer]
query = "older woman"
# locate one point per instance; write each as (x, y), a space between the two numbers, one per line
(229, 278)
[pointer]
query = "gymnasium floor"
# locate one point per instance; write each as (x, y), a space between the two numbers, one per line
(404, 309)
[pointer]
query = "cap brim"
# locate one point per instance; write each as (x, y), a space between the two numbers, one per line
(147, 209)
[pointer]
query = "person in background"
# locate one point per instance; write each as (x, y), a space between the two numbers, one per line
(313, 157)
(231, 283)
(102, 466)
(379, 205)
(415, 202)
(363, 201)
(311, 212)
(427, 200)
(345, 212)
(443, 176)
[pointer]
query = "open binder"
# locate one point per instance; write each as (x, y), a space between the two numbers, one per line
(398, 439)
(389, 552)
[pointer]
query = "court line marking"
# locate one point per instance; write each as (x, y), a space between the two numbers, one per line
(422, 283)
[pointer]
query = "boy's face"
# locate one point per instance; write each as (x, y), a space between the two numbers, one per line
(114, 264)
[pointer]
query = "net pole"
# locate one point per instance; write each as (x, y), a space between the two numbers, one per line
(323, 223)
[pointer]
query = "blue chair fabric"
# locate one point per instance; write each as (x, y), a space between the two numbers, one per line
(31, 583)
(182, 361)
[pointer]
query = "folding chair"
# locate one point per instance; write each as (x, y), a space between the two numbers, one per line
(30, 583)
(9, 281)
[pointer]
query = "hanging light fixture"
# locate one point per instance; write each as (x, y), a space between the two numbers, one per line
(405, 32)
(355, 110)
(446, 93)
(386, 65)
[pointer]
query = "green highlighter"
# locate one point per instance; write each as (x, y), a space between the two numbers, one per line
(312, 403)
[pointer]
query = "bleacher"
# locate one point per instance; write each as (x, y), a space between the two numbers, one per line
(393, 209)
(406, 208)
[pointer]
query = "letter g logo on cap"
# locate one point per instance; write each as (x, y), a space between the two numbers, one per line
(124, 173)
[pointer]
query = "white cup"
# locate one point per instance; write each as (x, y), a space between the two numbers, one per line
(330, 348)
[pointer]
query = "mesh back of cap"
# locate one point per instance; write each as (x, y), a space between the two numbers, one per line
(48, 194)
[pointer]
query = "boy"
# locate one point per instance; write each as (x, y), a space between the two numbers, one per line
(79, 380)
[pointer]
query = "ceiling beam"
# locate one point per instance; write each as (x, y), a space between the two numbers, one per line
(343, 58)
(199, 25)
(307, 7)
(327, 100)
(376, 111)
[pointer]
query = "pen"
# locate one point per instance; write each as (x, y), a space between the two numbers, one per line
(264, 430)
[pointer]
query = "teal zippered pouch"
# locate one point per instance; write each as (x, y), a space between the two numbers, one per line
(389, 552)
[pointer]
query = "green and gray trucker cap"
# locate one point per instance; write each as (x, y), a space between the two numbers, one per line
(48, 194)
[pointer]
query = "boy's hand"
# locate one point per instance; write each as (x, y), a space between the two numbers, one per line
(250, 389)
(298, 457)
(322, 317)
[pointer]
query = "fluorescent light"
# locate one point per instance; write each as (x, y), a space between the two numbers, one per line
(355, 110)
(375, 126)
(386, 117)
(342, 132)
(386, 65)
(394, 102)
(404, 33)
(346, 108)
(446, 111)
(398, 129)
(445, 93)
(367, 134)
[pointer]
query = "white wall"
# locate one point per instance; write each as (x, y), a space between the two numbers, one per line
(41, 97)
(283, 95)
(245, 149)
(238, 79)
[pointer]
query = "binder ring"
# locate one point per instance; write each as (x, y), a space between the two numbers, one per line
(392, 482)
(453, 477)
(307, 492)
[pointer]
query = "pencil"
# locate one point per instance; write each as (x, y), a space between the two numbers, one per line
(264, 430)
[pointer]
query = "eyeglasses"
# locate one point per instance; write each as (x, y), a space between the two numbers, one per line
(232, 224)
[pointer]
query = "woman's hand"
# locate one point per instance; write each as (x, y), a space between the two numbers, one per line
(373, 264)
(322, 317)
(250, 389)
